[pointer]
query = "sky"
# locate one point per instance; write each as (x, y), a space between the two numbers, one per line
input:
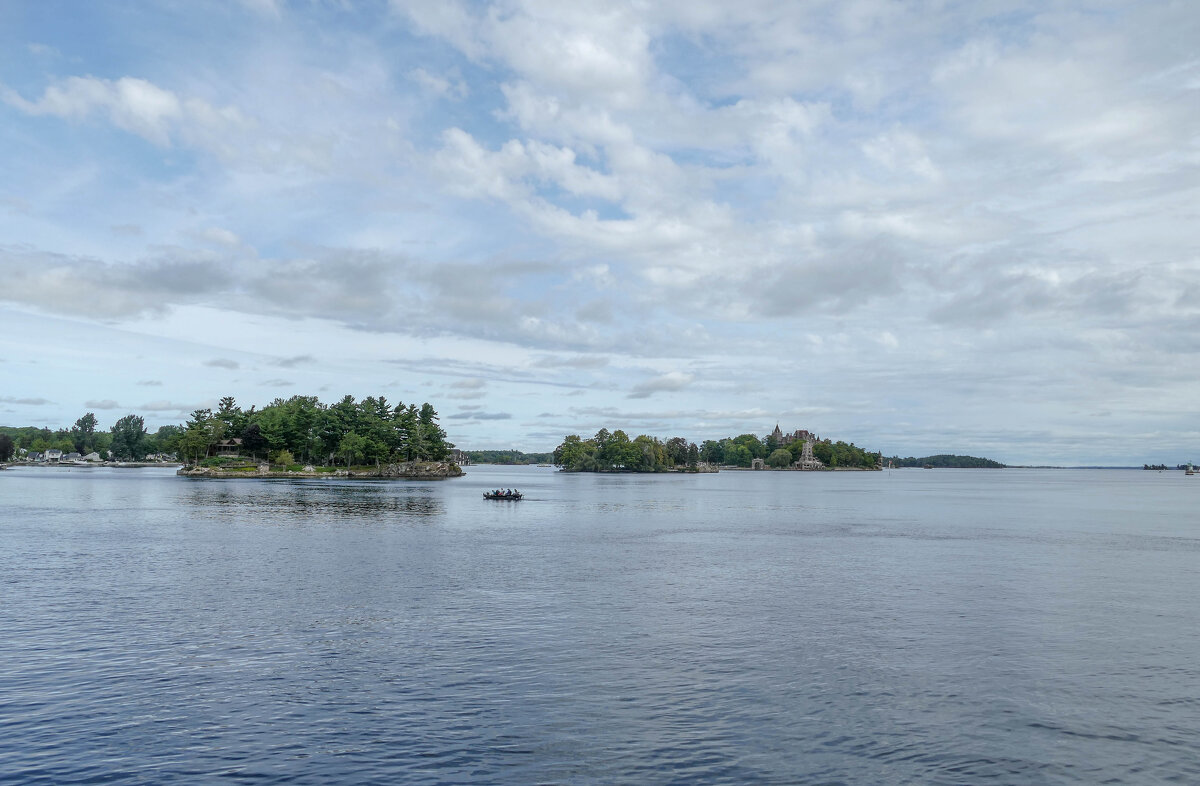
(923, 227)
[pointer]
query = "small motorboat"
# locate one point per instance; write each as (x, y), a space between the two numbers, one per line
(516, 495)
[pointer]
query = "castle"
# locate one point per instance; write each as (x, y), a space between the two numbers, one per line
(786, 439)
(807, 460)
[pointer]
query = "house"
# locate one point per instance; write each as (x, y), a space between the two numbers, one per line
(33, 456)
(93, 456)
(53, 455)
(72, 456)
(228, 447)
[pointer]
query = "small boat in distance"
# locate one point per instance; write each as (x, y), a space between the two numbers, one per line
(1189, 470)
(512, 494)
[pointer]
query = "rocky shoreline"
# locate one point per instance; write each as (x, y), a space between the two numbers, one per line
(409, 470)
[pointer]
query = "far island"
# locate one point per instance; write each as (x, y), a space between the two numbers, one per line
(799, 450)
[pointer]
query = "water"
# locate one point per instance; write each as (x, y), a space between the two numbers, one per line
(933, 627)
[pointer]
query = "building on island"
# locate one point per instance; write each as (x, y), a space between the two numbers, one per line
(807, 460)
(228, 447)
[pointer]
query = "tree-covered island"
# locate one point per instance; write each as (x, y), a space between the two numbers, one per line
(614, 451)
(301, 434)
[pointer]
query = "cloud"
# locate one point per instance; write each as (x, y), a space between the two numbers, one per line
(135, 105)
(567, 361)
(222, 363)
(102, 404)
(50, 281)
(278, 383)
(150, 383)
(174, 407)
(293, 361)
(671, 381)
(479, 416)
(455, 89)
(33, 402)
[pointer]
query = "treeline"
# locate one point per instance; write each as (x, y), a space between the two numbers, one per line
(740, 451)
(612, 451)
(127, 439)
(300, 428)
(508, 457)
(945, 460)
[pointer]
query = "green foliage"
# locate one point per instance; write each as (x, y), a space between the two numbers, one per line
(83, 433)
(7, 447)
(945, 460)
(712, 452)
(283, 457)
(227, 462)
(780, 457)
(371, 431)
(129, 441)
(351, 447)
(844, 454)
(508, 457)
(614, 451)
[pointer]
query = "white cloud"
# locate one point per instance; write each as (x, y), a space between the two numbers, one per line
(132, 104)
(671, 381)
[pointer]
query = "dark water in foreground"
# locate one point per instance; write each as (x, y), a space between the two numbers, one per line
(935, 627)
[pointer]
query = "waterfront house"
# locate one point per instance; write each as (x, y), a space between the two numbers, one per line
(93, 456)
(228, 447)
(53, 455)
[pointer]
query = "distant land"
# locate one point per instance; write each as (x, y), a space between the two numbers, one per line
(945, 461)
(509, 457)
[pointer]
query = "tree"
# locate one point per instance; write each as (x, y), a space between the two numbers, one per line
(200, 434)
(677, 450)
(83, 433)
(436, 447)
(781, 457)
(7, 448)
(231, 415)
(166, 439)
(351, 445)
(738, 455)
(129, 438)
(253, 440)
(693, 456)
(712, 451)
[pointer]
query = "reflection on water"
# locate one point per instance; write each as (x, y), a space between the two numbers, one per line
(314, 500)
(916, 627)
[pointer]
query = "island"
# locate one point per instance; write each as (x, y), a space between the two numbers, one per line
(614, 451)
(289, 438)
(301, 437)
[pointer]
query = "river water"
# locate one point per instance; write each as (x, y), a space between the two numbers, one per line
(932, 627)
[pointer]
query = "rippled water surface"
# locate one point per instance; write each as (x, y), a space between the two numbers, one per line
(940, 627)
